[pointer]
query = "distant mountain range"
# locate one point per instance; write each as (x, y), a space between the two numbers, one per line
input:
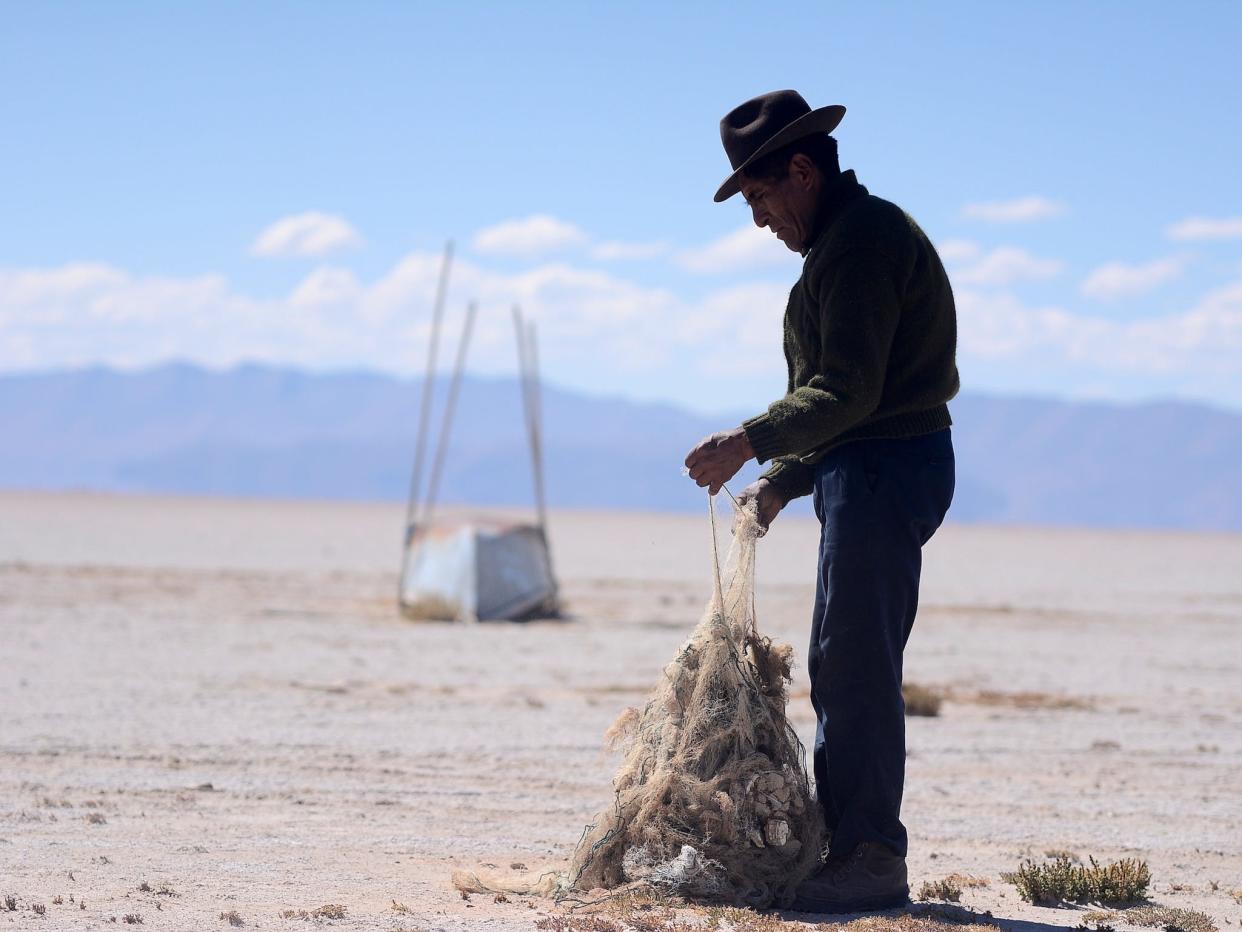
(264, 431)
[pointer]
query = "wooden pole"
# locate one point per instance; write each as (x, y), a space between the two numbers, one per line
(450, 407)
(424, 416)
(411, 505)
(528, 412)
(536, 420)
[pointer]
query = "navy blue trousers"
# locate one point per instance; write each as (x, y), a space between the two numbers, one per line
(879, 502)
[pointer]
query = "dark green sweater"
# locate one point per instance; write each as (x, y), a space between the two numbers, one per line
(870, 338)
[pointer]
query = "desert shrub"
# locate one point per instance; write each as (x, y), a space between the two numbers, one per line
(1119, 883)
(945, 889)
(921, 700)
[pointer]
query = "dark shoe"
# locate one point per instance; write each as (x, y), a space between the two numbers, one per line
(871, 877)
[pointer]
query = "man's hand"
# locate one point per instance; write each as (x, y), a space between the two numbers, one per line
(717, 459)
(769, 497)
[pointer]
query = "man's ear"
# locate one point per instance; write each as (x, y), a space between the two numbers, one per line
(803, 171)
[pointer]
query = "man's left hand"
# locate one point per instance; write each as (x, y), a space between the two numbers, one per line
(717, 459)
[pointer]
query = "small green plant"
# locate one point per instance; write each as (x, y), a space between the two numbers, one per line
(945, 889)
(1119, 883)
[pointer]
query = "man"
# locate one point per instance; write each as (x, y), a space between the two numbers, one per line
(870, 335)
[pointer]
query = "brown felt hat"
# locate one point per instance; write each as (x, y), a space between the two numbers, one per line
(764, 124)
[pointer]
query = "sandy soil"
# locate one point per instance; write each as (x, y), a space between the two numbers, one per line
(216, 699)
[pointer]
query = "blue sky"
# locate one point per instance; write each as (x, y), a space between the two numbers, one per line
(274, 181)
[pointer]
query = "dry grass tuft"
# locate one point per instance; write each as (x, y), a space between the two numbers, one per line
(1237, 895)
(132, 919)
(743, 920)
(10, 903)
(1153, 916)
(969, 881)
(578, 924)
(1064, 853)
(233, 918)
(401, 909)
(38, 909)
(945, 889)
(1027, 700)
(328, 911)
(96, 818)
(921, 700)
(946, 919)
(733, 919)
(57, 900)
(1119, 883)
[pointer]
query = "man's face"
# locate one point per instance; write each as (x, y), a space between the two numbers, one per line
(787, 206)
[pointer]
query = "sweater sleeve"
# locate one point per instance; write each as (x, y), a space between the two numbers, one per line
(792, 477)
(856, 296)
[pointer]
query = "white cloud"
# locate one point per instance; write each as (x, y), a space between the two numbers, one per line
(326, 286)
(597, 330)
(1017, 210)
(745, 248)
(613, 250)
(536, 235)
(958, 250)
(308, 234)
(1006, 265)
(1204, 228)
(1203, 342)
(1117, 280)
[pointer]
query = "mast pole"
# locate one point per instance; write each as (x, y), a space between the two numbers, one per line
(424, 416)
(536, 419)
(411, 505)
(450, 408)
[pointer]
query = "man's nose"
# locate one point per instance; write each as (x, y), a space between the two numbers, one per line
(760, 215)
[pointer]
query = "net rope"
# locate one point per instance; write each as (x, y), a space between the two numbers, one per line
(712, 799)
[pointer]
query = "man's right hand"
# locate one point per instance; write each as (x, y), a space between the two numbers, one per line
(769, 498)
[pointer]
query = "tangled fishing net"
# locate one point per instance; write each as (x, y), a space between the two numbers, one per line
(712, 799)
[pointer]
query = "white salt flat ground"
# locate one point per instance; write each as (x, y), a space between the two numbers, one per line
(150, 647)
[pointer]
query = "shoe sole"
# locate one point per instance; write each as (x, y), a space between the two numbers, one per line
(867, 905)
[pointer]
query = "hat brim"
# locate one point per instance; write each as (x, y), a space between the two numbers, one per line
(823, 120)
